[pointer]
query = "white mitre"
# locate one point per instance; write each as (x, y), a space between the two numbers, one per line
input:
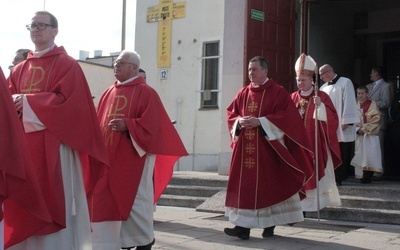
(305, 65)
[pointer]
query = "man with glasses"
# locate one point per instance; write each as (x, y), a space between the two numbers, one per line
(143, 147)
(341, 91)
(56, 109)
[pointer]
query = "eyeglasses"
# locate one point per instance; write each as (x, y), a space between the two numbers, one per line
(120, 63)
(321, 74)
(39, 26)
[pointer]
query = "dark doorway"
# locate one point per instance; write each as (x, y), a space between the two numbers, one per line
(353, 36)
(391, 62)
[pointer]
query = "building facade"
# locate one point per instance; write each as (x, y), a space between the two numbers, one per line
(195, 54)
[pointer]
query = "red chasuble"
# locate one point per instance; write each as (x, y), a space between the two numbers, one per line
(326, 131)
(150, 127)
(19, 189)
(265, 172)
(57, 91)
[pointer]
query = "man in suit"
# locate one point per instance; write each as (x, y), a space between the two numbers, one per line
(382, 93)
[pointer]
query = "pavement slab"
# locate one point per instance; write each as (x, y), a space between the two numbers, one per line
(188, 229)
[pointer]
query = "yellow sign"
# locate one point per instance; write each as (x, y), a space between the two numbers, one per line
(154, 12)
(164, 43)
(163, 14)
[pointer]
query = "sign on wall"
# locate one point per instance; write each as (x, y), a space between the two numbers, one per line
(257, 15)
(164, 13)
(164, 73)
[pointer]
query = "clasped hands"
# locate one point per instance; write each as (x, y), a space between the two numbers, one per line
(249, 122)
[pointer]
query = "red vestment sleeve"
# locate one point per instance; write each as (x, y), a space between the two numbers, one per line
(24, 206)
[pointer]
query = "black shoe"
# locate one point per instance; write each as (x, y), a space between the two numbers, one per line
(240, 232)
(365, 181)
(146, 247)
(268, 232)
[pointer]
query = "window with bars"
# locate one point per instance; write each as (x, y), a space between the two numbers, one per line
(210, 75)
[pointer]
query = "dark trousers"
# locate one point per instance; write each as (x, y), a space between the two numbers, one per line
(347, 153)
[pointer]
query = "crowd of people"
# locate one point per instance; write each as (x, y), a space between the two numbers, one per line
(77, 177)
(333, 132)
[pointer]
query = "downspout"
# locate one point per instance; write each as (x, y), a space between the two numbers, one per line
(304, 8)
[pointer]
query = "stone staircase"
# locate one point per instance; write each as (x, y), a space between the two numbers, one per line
(191, 189)
(378, 202)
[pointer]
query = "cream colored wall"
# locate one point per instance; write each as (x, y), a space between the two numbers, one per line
(204, 132)
(233, 65)
(99, 78)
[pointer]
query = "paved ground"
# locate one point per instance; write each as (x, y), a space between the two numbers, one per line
(186, 229)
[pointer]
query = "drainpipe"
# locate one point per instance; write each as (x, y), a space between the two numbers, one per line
(177, 121)
(304, 16)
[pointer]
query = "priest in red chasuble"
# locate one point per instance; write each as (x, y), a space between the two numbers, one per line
(272, 159)
(143, 146)
(56, 109)
(306, 102)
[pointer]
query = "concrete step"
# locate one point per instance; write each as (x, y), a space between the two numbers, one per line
(384, 191)
(181, 201)
(199, 180)
(365, 215)
(368, 214)
(196, 191)
(378, 202)
(366, 202)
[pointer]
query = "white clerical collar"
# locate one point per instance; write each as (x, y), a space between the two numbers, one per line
(306, 93)
(42, 52)
(257, 86)
(128, 80)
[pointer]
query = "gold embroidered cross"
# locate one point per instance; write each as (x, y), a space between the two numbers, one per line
(252, 107)
(250, 148)
(249, 134)
(303, 102)
(249, 163)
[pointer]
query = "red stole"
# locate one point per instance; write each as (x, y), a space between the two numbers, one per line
(149, 125)
(365, 106)
(260, 167)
